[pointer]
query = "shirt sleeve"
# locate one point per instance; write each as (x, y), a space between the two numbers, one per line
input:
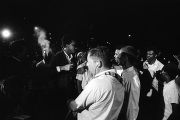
(168, 107)
(87, 96)
(80, 72)
(135, 96)
(160, 66)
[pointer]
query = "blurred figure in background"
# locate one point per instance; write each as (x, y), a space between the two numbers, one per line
(83, 75)
(15, 77)
(171, 95)
(44, 44)
(117, 65)
(64, 67)
(152, 85)
(128, 59)
(152, 65)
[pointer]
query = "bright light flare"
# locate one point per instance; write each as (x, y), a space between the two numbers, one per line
(36, 28)
(6, 33)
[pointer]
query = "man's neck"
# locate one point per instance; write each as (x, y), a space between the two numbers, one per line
(102, 70)
(152, 61)
(126, 66)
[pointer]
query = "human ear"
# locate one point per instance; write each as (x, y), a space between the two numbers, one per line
(99, 64)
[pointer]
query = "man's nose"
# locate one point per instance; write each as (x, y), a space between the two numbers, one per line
(87, 64)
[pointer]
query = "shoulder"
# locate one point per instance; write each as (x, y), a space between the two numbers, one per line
(159, 63)
(100, 81)
(169, 88)
(59, 53)
(169, 85)
(170, 92)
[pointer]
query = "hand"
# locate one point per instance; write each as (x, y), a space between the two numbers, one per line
(145, 66)
(42, 62)
(71, 105)
(149, 94)
(67, 67)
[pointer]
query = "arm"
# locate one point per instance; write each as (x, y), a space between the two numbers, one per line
(85, 99)
(168, 108)
(135, 92)
(64, 68)
(170, 100)
(175, 111)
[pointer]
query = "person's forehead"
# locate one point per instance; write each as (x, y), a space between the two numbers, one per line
(72, 43)
(89, 58)
(117, 51)
(150, 52)
(92, 58)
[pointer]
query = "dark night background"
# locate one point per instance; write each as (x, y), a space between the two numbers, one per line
(148, 22)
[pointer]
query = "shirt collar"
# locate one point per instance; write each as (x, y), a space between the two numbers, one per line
(129, 69)
(103, 72)
(69, 57)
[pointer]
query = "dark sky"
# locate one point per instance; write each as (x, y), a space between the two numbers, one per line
(149, 22)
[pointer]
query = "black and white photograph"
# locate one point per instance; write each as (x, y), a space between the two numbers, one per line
(89, 60)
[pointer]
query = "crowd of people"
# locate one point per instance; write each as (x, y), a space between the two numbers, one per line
(98, 83)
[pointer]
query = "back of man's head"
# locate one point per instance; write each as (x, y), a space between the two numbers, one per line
(131, 53)
(130, 50)
(103, 54)
(177, 81)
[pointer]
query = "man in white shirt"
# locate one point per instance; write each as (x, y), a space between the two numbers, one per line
(103, 96)
(154, 92)
(153, 65)
(128, 59)
(171, 93)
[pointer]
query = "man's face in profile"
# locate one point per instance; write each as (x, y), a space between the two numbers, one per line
(91, 64)
(117, 52)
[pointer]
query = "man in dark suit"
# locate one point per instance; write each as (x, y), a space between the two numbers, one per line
(64, 66)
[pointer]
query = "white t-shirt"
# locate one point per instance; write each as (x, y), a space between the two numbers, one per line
(171, 95)
(153, 68)
(101, 99)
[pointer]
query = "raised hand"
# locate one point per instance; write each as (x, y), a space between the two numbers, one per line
(67, 67)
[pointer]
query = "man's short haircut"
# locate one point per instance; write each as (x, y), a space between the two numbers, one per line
(152, 48)
(131, 53)
(102, 53)
(67, 39)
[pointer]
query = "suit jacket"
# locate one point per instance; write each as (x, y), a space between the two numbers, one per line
(64, 79)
